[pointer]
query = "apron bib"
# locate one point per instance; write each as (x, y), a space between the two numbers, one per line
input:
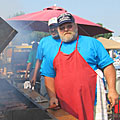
(75, 84)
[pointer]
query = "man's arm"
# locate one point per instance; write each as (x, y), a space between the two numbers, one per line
(37, 66)
(49, 83)
(27, 69)
(110, 75)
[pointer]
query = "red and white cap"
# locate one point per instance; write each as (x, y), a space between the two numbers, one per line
(52, 21)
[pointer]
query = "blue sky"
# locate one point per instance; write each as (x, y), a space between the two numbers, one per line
(106, 12)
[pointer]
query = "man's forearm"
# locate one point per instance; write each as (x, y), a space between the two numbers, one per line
(37, 66)
(110, 75)
(49, 83)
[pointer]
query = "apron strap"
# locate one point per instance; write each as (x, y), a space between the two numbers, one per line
(77, 42)
(60, 45)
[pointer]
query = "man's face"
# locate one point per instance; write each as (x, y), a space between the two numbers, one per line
(68, 32)
(53, 31)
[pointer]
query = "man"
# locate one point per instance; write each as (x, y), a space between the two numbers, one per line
(31, 60)
(31, 64)
(73, 67)
(44, 47)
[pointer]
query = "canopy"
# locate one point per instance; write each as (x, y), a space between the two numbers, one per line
(109, 44)
(37, 21)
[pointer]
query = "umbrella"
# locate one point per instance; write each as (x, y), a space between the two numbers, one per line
(37, 21)
(109, 44)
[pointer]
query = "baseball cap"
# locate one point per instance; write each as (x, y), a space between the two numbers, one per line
(52, 21)
(65, 17)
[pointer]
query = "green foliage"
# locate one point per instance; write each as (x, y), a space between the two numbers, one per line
(37, 35)
(28, 37)
(100, 24)
(17, 14)
(106, 35)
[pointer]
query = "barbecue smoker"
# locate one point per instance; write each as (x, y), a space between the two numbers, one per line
(14, 105)
(17, 103)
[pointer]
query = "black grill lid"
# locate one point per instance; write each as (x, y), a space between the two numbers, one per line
(7, 33)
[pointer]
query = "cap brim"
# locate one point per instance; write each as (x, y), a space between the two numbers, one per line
(53, 25)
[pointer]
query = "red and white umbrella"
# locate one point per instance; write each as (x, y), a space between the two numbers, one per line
(37, 21)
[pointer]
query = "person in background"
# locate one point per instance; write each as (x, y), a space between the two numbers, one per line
(31, 65)
(44, 47)
(72, 73)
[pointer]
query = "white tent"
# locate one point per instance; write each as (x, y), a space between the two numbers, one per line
(109, 44)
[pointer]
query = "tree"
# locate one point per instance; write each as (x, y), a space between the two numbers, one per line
(106, 35)
(37, 35)
(25, 36)
(17, 14)
(28, 37)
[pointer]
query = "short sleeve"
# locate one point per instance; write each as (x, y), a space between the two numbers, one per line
(103, 58)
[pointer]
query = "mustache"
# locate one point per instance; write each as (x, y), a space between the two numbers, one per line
(67, 33)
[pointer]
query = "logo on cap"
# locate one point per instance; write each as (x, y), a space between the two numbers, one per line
(52, 21)
(65, 17)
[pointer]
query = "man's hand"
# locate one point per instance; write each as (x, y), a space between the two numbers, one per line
(113, 97)
(37, 66)
(33, 81)
(53, 101)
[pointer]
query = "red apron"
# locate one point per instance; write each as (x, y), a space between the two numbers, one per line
(75, 84)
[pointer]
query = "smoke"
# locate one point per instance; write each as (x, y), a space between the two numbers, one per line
(9, 8)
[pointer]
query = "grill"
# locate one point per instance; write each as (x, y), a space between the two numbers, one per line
(15, 106)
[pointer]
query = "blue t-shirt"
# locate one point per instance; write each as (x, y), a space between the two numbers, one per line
(90, 48)
(44, 47)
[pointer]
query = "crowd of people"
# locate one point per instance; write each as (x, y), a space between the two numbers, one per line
(71, 66)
